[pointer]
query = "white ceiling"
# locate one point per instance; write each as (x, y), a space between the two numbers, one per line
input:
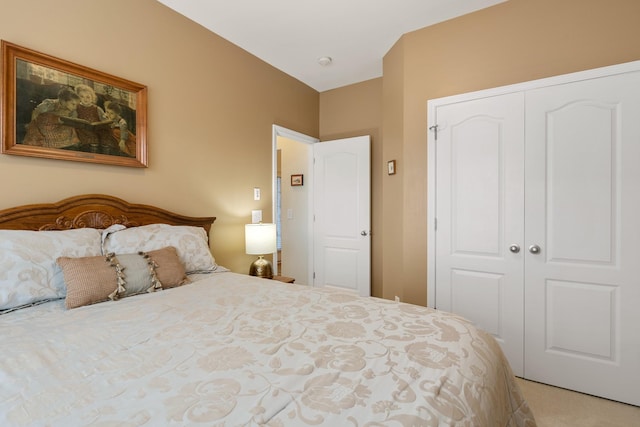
(292, 34)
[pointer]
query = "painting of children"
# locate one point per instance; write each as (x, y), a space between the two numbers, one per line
(61, 110)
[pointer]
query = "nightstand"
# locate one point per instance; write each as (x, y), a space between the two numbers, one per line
(284, 279)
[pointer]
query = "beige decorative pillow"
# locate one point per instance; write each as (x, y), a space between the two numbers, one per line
(96, 279)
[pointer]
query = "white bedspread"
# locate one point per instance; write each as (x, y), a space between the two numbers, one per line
(233, 350)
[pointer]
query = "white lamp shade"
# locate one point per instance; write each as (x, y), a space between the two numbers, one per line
(260, 239)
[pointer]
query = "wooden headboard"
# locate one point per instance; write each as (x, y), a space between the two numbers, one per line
(94, 211)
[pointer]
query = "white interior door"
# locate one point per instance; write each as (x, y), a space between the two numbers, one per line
(479, 212)
(342, 203)
(583, 212)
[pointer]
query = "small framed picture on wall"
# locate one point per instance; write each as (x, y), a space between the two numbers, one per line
(297, 180)
(391, 167)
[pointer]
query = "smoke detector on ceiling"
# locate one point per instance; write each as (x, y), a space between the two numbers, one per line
(325, 60)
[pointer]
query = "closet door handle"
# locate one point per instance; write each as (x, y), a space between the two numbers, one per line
(514, 248)
(534, 249)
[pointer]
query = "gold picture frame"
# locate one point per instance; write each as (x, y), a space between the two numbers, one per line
(56, 109)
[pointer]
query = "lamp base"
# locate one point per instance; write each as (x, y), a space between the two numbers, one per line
(261, 268)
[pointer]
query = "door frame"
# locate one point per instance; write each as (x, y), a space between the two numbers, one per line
(432, 106)
(277, 132)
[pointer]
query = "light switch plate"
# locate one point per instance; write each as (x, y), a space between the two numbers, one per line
(256, 193)
(256, 216)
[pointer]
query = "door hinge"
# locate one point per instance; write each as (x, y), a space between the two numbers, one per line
(434, 129)
(314, 275)
(435, 223)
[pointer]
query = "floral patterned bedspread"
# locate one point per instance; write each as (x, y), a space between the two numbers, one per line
(234, 350)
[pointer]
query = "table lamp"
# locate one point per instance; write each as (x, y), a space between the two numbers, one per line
(260, 239)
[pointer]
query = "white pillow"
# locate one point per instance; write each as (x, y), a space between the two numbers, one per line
(28, 269)
(190, 242)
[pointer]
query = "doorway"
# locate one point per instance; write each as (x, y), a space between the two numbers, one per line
(322, 196)
(292, 207)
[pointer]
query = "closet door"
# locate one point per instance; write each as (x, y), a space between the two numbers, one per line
(479, 212)
(582, 286)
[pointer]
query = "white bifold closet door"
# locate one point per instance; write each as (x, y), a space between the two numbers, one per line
(480, 211)
(582, 290)
(538, 228)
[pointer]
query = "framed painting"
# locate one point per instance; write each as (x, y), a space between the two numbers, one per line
(60, 110)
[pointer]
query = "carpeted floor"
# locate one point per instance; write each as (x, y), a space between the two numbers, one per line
(557, 407)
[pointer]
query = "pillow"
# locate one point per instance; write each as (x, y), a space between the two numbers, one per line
(190, 242)
(28, 269)
(95, 279)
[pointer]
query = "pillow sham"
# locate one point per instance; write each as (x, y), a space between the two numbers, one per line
(96, 279)
(28, 269)
(190, 243)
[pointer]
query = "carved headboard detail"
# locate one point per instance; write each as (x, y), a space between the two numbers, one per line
(94, 211)
(88, 219)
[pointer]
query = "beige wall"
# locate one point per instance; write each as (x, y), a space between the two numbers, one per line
(393, 188)
(211, 107)
(356, 110)
(516, 41)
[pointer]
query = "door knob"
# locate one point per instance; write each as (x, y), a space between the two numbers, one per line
(514, 248)
(363, 233)
(534, 249)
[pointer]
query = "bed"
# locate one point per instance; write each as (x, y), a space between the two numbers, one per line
(194, 344)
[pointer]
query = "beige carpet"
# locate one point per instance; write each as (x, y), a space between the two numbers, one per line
(557, 407)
